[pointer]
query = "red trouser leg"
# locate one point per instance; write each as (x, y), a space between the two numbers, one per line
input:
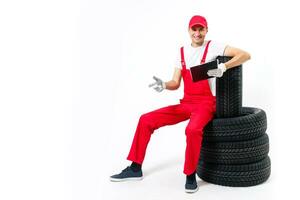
(151, 121)
(200, 116)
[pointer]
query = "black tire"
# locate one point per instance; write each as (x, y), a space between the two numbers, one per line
(235, 175)
(251, 124)
(235, 152)
(229, 91)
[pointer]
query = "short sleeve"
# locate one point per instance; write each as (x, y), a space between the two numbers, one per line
(218, 48)
(177, 60)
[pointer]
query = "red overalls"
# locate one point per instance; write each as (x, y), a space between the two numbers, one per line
(198, 105)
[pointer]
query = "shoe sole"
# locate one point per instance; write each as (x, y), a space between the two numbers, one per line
(191, 191)
(126, 179)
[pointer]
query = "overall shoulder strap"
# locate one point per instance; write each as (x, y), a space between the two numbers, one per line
(182, 58)
(205, 53)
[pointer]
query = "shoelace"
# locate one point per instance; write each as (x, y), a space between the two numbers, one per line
(126, 169)
(190, 181)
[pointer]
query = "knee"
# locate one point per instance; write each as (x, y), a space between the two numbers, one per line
(146, 120)
(193, 131)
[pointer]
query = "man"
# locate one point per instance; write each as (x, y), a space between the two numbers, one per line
(198, 103)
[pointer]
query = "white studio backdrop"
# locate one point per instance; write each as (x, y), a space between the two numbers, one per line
(74, 81)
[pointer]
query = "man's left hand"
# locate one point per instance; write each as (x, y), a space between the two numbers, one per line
(217, 72)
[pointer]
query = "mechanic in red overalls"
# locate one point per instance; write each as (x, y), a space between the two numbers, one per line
(198, 103)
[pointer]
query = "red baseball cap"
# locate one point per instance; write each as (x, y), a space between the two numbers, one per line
(198, 20)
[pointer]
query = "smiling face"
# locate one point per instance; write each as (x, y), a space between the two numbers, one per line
(197, 34)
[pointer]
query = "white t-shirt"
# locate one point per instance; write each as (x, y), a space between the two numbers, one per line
(193, 56)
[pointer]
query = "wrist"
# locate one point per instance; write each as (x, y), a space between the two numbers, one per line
(164, 85)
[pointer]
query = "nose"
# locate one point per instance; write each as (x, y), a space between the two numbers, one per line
(197, 33)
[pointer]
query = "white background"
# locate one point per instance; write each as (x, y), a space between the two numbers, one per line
(73, 83)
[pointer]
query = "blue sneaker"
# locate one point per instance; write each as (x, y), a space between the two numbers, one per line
(127, 174)
(191, 186)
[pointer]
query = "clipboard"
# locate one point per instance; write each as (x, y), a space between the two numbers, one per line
(199, 72)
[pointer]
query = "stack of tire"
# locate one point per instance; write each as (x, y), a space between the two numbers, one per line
(235, 146)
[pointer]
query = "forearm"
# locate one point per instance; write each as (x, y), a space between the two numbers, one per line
(237, 60)
(172, 85)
